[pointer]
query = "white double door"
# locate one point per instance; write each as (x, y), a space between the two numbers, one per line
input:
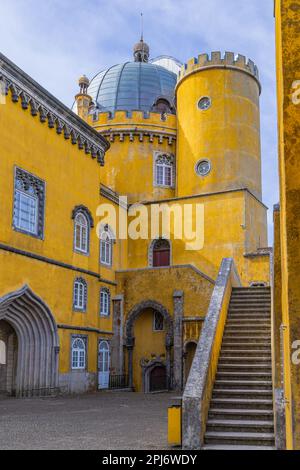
(103, 365)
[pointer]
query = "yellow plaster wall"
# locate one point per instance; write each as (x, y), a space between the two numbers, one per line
(228, 133)
(148, 345)
(287, 52)
(233, 222)
(129, 165)
(72, 178)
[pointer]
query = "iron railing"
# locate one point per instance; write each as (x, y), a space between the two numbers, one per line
(118, 381)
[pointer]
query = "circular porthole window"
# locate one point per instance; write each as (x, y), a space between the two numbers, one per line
(204, 103)
(203, 167)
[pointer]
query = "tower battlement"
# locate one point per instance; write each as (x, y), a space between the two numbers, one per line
(216, 60)
(126, 118)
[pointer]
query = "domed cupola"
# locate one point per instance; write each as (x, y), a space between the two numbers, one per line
(134, 86)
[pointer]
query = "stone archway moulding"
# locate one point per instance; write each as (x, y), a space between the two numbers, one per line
(135, 312)
(38, 343)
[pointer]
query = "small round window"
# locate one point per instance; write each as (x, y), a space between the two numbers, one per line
(204, 103)
(203, 167)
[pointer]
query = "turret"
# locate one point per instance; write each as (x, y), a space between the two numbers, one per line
(218, 143)
(83, 100)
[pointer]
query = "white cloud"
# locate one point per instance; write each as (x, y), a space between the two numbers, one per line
(55, 41)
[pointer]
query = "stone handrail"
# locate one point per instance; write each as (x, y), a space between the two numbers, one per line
(199, 386)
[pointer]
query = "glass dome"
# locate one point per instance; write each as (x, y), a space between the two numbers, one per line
(132, 86)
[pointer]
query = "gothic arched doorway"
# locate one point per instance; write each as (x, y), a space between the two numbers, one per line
(8, 359)
(30, 338)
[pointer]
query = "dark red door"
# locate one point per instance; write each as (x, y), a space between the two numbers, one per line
(161, 258)
(158, 379)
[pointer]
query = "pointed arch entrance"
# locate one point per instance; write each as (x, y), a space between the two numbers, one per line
(32, 340)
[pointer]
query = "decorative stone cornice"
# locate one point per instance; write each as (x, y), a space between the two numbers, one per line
(260, 252)
(140, 134)
(112, 196)
(41, 103)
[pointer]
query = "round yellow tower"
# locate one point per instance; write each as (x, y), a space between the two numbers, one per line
(218, 140)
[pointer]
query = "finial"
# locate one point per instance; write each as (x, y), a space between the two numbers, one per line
(142, 27)
(141, 49)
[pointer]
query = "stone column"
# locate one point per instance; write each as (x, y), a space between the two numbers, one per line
(178, 314)
(130, 346)
(117, 361)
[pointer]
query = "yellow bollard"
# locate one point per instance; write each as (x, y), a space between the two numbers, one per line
(174, 425)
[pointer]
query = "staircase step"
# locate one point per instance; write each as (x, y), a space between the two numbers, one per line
(236, 413)
(243, 384)
(245, 332)
(244, 358)
(242, 393)
(230, 344)
(246, 352)
(242, 403)
(250, 438)
(241, 407)
(250, 316)
(248, 321)
(247, 339)
(245, 367)
(253, 376)
(235, 425)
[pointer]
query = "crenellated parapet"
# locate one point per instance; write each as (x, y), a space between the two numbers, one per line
(229, 60)
(135, 125)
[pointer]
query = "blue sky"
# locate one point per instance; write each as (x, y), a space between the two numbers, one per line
(55, 41)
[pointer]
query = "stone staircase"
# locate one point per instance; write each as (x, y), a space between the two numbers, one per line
(241, 409)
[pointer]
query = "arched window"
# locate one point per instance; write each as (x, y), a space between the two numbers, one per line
(104, 302)
(158, 321)
(161, 253)
(2, 352)
(164, 174)
(81, 233)
(78, 353)
(106, 248)
(80, 294)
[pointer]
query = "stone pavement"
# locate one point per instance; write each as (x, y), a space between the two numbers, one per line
(102, 420)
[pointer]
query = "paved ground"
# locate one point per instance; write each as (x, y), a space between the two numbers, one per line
(105, 420)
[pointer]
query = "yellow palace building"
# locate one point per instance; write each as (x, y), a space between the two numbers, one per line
(133, 241)
(81, 307)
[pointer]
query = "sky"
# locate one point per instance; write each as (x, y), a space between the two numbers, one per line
(56, 41)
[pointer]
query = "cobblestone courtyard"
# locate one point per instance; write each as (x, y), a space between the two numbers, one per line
(107, 420)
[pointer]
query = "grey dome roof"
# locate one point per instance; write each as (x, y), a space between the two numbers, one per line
(132, 86)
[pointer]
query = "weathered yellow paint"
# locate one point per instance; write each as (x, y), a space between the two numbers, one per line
(228, 133)
(134, 157)
(174, 425)
(287, 51)
(72, 178)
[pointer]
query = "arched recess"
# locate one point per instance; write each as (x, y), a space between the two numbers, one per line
(151, 249)
(38, 343)
(132, 317)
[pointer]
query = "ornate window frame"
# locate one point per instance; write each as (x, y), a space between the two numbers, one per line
(85, 212)
(166, 159)
(84, 341)
(104, 291)
(106, 230)
(151, 248)
(76, 308)
(23, 180)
